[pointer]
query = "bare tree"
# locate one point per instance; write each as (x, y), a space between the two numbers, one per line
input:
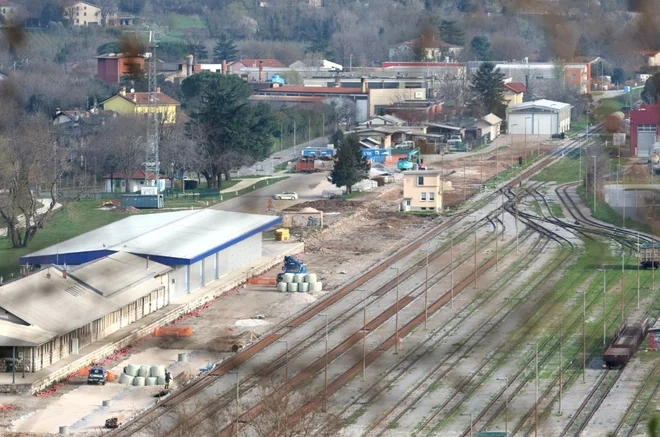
(178, 151)
(345, 110)
(123, 139)
(29, 163)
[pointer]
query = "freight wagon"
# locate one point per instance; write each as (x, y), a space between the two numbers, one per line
(625, 344)
(649, 255)
(311, 165)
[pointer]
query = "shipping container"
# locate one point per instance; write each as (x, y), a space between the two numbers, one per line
(142, 202)
(318, 152)
(376, 155)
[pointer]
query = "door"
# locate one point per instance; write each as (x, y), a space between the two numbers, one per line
(645, 139)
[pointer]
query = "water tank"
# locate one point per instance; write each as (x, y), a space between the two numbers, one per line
(277, 79)
(614, 122)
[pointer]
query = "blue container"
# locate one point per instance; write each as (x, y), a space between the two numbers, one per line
(376, 155)
(142, 201)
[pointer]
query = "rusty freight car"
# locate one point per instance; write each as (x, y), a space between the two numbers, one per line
(625, 344)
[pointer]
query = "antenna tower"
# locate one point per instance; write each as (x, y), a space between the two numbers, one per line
(152, 164)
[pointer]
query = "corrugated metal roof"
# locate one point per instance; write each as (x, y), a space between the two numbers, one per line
(57, 305)
(543, 103)
(13, 334)
(180, 237)
(118, 272)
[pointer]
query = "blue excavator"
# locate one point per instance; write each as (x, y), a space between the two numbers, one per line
(292, 265)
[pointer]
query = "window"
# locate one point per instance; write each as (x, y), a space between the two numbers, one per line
(420, 181)
(432, 196)
(423, 197)
(646, 128)
(573, 77)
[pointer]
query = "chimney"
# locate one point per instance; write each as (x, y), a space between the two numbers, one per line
(134, 97)
(158, 89)
(122, 91)
(189, 64)
(261, 71)
(337, 81)
(363, 83)
(224, 66)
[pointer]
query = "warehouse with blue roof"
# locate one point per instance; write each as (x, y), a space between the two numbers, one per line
(200, 245)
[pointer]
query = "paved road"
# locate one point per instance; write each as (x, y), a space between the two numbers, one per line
(266, 166)
(308, 186)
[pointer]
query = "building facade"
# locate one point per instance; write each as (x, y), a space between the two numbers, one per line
(138, 103)
(423, 190)
(10, 11)
(644, 124)
(81, 13)
(540, 117)
(113, 67)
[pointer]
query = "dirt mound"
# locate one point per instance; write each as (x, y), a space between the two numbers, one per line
(331, 205)
(127, 210)
(392, 194)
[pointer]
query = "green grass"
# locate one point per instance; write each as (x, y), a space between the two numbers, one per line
(563, 171)
(178, 21)
(354, 194)
(70, 221)
(556, 209)
(606, 213)
(180, 203)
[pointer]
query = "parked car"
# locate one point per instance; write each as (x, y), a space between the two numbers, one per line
(287, 195)
(97, 375)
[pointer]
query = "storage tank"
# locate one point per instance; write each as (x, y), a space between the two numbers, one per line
(614, 122)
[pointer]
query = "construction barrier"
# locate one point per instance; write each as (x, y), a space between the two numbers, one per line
(262, 281)
(173, 332)
(112, 376)
(84, 371)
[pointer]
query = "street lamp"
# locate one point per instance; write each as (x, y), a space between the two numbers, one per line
(506, 406)
(451, 239)
(476, 272)
(623, 303)
(325, 383)
(426, 289)
(471, 427)
(638, 257)
(594, 182)
(364, 334)
(526, 118)
(396, 318)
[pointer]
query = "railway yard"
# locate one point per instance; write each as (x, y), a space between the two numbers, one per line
(496, 317)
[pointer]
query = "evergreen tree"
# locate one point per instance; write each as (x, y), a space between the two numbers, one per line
(618, 75)
(350, 165)
(225, 50)
(488, 88)
(449, 32)
(583, 47)
(481, 48)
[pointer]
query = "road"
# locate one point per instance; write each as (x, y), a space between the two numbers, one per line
(308, 186)
(267, 165)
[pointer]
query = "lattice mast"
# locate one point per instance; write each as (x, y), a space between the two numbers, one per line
(152, 163)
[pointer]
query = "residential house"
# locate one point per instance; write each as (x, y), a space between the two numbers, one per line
(116, 182)
(383, 120)
(424, 48)
(11, 12)
(515, 93)
(644, 124)
(423, 190)
(138, 103)
(113, 67)
(651, 57)
(81, 13)
(485, 129)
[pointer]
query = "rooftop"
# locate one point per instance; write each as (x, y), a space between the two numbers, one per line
(143, 98)
(543, 103)
(311, 90)
(117, 55)
(516, 87)
(254, 63)
(171, 238)
(492, 119)
(14, 334)
(136, 175)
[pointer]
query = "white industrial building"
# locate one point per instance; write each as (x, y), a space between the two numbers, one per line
(97, 283)
(540, 117)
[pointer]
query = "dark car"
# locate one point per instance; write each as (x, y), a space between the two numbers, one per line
(97, 375)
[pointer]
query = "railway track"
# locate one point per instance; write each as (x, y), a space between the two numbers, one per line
(644, 396)
(138, 424)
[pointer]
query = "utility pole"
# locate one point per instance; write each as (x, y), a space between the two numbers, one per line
(309, 129)
(476, 272)
(497, 248)
(464, 183)
(623, 304)
(325, 383)
(396, 318)
(561, 363)
(536, 394)
(364, 335)
(152, 164)
(452, 269)
(584, 336)
(604, 304)
(426, 291)
(517, 222)
(594, 182)
(638, 259)
(281, 136)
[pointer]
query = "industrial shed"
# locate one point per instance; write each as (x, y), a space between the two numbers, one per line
(200, 246)
(540, 117)
(53, 313)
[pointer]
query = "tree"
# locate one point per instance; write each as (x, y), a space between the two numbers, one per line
(451, 33)
(481, 48)
(230, 131)
(345, 111)
(583, 47)
(618, 75)
(124, 142)
(51, 13)
(225, 49)
(350, 165)
(651, 89)
(132, 6)
(30, 164)
(178, 151)
(488, 88)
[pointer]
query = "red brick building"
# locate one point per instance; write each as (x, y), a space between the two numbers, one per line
(112, 67)
(644, 129)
